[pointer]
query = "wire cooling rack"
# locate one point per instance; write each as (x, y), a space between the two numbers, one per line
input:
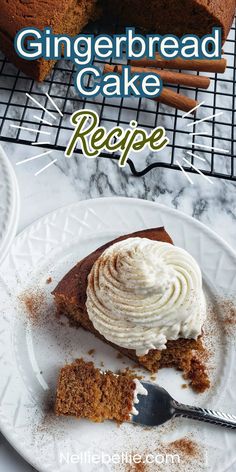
(216, 159)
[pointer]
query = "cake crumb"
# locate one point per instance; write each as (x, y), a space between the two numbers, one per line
(153, 378)
(49, 280)
(119, 356)
(197, 375)
(184, 386)
(133, 373)
(91, 352)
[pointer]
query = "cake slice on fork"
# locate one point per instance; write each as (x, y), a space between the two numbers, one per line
(86, 392)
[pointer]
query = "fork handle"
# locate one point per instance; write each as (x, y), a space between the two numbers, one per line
(201, 414)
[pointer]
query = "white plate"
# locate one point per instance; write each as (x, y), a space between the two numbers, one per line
(9, 204)
(32, 351)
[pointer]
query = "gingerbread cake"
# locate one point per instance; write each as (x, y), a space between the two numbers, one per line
(63, 16)
(174, 16)
(86, 392)
(71, 16)
(71, 300)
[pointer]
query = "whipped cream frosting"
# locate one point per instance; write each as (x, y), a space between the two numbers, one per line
(143, 293)
(139, 390)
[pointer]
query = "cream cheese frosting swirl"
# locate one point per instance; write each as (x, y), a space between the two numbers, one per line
(143, 293)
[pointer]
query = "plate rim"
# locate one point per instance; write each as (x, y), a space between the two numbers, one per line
(11, 228)
(133, 200)
(7, 431)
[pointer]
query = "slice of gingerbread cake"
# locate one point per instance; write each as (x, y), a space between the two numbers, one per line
(143, 296)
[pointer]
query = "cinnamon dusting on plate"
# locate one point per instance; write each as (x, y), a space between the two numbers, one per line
(182, 454)
(139, 467)
(186, 447)
(49, 422)
(34, 302)
(225, 311)
(228, 308)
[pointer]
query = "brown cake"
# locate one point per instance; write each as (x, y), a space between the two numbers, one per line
(71, 16)
(63, 16)
(70, 298)
(177, 17)
(85, 392)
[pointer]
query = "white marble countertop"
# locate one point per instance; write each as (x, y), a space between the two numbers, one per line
(77, 179)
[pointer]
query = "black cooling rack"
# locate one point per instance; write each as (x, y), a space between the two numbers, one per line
(16, 108)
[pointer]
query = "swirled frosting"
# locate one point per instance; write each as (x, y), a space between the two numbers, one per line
(143, 293)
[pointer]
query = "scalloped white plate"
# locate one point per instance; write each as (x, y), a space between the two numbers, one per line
(9, 204)
(32, 351)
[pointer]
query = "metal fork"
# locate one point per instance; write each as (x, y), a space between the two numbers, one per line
(158, 407)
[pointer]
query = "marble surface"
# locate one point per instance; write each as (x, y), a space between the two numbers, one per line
(68, 181)
(79, 178)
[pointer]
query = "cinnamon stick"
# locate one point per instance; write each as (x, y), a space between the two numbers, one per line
(176, 100)
(204, 65)
(168, 77)
(167, 96)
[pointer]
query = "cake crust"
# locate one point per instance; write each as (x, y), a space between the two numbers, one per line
(74, 284)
